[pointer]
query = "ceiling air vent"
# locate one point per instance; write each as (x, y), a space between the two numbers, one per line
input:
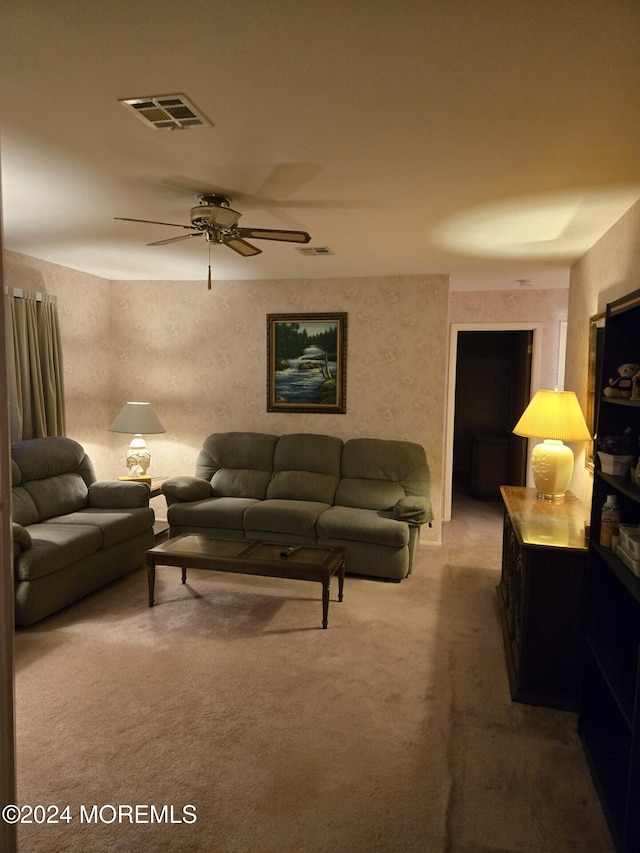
(315, 250)
(166, 112)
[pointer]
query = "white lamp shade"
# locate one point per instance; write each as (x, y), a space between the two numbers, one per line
(137, 419)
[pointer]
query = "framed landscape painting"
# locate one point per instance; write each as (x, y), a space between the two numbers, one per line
(307, 363)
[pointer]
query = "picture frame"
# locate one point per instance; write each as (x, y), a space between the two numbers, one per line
(307, 363)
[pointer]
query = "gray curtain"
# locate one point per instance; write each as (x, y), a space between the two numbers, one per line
(34, 366)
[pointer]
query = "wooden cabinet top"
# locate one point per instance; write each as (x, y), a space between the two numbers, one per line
(545, 524)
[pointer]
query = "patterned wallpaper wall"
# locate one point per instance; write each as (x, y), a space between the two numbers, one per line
(545, 307)
(199, 357)
(609, 270)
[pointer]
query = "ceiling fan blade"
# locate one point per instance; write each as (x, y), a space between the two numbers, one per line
(176, 239)
(241, 246)
(150, 222)
(275, 234)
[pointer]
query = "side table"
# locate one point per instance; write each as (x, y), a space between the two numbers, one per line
(540, 596)
(156, 486)
(160, 527)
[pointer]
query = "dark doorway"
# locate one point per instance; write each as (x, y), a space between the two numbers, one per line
(493, 380)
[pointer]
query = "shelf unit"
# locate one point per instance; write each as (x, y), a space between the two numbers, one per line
(609, 710)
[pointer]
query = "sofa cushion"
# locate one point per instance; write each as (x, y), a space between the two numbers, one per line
(50, 476)
(302, 486)
(114, 525)
(16, 474)
(368, 494)
(376, 473)
(362, 525)
(371, 559)
(284, 517)
(23, 508)
(240, 483)
(57, 495)
(54, 546)
(213, 512)
(40, 458)
(237, 464)
(306, 467)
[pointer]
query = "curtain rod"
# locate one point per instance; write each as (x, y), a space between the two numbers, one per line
(18, 293)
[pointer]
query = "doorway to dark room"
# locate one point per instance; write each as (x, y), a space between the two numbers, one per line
(493, 382)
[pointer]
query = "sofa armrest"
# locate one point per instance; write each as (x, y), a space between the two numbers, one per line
(21, 538)
(118, 494)
(186, 489)
(413, 509)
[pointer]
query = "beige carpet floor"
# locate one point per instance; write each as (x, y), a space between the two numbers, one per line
(390, 732)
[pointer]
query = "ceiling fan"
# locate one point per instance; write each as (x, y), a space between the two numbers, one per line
(214, 219)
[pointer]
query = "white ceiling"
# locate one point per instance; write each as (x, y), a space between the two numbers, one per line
(490, 139)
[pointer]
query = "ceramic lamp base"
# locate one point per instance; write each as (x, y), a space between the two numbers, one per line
(552, 465)
(138, 457)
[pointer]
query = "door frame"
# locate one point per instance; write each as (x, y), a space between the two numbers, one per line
(454, 331)
(8, 830)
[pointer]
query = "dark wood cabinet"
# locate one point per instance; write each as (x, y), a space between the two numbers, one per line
(609, 713)
(541, 596)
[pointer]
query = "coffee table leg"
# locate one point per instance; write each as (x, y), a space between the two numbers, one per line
(151, 575)
(325, 602)
(340, 581)
(184, 574)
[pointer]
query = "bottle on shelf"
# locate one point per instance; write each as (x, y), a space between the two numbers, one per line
(609, 521)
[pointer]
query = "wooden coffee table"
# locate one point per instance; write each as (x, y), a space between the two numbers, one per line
(304, 563)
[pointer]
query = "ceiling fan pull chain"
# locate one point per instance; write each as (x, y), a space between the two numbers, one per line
(209, 277)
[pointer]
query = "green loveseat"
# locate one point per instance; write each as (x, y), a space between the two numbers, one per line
(71, 534)
(369, 496)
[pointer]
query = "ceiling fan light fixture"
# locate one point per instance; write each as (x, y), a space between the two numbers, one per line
(204, 215)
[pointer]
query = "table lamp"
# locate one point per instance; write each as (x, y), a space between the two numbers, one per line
(136, 419)
(554, 416)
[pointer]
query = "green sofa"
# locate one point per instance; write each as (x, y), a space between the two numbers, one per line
(369, 496)
(71, 534)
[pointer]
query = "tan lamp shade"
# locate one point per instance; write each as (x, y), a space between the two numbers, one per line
(136, 419)
(553, 416)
